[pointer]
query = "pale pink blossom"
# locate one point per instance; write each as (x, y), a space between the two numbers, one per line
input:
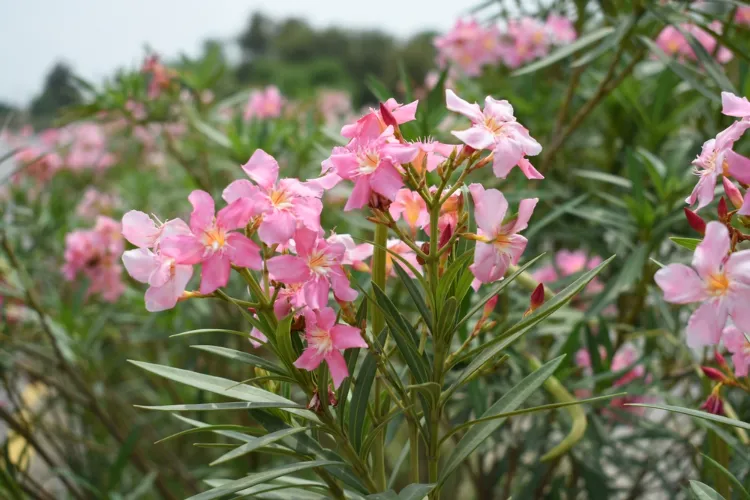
(736, 106)
(526, 39)
(264, 104)
(355, 254)
(560, 29)
(317, 265)
(498, 244)
(405, 252)
(743, 15)
(716, 159)
(144, 231)
(432, 153)
(37, 163)
(284, 204)
(166, 279)
(674, 43)
(410, 205)
(87, 147)
(737, 343)
(212, 241)
(373, 166)
(325, 341)
(334, 104)
(721, 282)
(495, 128)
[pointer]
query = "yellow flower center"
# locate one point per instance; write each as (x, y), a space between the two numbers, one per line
(368, 162)
(215, 238)
(717, 284)
(493, 126)
(319, 264)
(320, 340)
(280, 199)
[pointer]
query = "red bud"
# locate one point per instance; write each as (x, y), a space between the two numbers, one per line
(445, 236)
(722, 209)
(695, 221)
(332, 397)
(426, 249)
(388, 117)
(713, 404)
(720, 360)
(713, 374)
(537, 296)
(734, 194)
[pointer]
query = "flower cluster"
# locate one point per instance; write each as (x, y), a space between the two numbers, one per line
(719, 277)
(264, 104)
(95, 254)
(471, 46)
(672, 41)
(272, 225)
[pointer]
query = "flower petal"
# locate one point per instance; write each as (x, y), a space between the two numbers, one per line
(140, 263)
(262, 168)
(337, 367)
(202, 215)
(347, 337)
(235, 215)
(386, 180)
(711, 252)
(139, 229)
(705, 325)
(288, 269)
(243, 252)
(680, 284)
(458, 105)
(184, 249)
(215, 273)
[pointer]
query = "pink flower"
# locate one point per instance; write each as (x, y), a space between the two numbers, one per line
(468, 46)
(372, 166)
(264, 104)
(498, 245)
(567, 263)
(325, 341)
(526, 39)
(372, 125)
(334, 104)
(720, 282)
(736, 106)
(716, 159)
(736, 342)
(212, 242)
(496, 128)
(354, 255)
(673, 43)
(95, 203)
(410, 205)
(167, 279)
(317, 265)
(95, 254)
(743, 15)
(432, 153)
(284, 204)
(142, 231)
(405, 252)
(560, 29)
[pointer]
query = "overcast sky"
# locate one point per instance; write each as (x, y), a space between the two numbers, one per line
(98, 36)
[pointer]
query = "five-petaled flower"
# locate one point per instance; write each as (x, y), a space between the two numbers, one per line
(213, 242)
(721, 282)
(325, 341)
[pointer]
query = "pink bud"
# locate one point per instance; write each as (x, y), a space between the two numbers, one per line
(537, 297)
(734, 194)
(713, 374)
(720, 360)
(695, 221)
(713, 404)
(445, 236)
(722, 208)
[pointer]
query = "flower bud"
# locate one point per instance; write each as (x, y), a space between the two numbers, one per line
(713, 374)
(445, 236)
(537, 299)
(388, 117)
(298, 324)
(721, 361)
(695, 221)
(314, 403)
(332, 401)
(425, 249)
(713, 404)
(379, 202)
(734, 194)
(722, 209)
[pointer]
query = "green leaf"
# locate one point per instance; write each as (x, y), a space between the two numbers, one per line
(221, 406)
(258, 443)
(736, 484)
(430, 390)
(351, 356)
(450, 275)
(416, 295)
(708, 62)
(689, 243)
(696, 413)
(623, 26)
(566, 50)
(404, 335)
(447, 320)
(260, 478)
(497, 288)
(555, 214)
(361, 396)
(243, 357)
(415, 491)
(224, 387)
(378, 88)
(702, 491)
(256, 431)
(631, 271)
(122, 459)
(509, 402)
(211, 330)
(226, 433)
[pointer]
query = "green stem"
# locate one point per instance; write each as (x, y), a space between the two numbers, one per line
(377, 323)
(433, 453)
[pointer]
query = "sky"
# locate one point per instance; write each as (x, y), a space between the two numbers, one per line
(98, 36)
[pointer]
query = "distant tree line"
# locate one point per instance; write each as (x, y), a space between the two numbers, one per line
(289, 53)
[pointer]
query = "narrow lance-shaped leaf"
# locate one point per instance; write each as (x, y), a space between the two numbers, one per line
(696, 413)
(509, 402)
(566, 50)
(258, 443)
(242, 357)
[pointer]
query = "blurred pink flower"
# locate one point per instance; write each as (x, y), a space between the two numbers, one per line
(469, 46)
(325, 341)
(96, 203)
(567, 263)
(560, 29)
(264, 104)
(721, 282)
(736, 342)
(95, 254)
(743, 15)
(673, 43)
